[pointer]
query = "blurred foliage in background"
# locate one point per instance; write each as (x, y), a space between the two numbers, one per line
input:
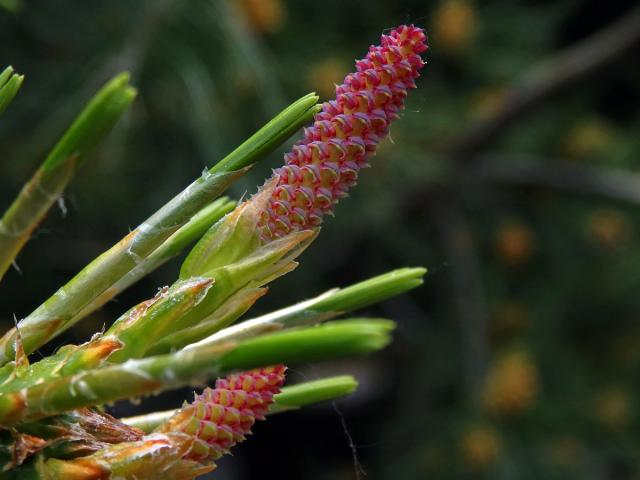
(512, 178)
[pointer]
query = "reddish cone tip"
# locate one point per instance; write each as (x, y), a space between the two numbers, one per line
(221, 417)
(323, 165)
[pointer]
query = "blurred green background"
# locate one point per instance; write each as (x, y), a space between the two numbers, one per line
(511, 176)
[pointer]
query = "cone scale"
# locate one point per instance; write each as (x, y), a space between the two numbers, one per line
(221, 417)
(321, 168)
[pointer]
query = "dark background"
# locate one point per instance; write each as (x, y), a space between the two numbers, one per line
(511, 176)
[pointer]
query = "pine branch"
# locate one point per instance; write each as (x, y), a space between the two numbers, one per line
(173, 246)
(323, 307)
(193, 366)
(569, 67)
(62, 310)
(48, 183)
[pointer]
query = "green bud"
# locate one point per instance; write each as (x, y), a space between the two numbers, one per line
(10, 83)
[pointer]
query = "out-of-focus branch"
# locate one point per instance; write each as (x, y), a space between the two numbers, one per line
(569, 67)
(612, 183)
(467, 291)
(468, 148)
(574, 64)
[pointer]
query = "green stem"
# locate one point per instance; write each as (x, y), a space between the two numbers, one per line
(134, 378)
(143, 324)
(272, 135)
(314, 391)
(173, 246)
(53, 176)
(164, 323)
(323, 307)
(61, 310)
